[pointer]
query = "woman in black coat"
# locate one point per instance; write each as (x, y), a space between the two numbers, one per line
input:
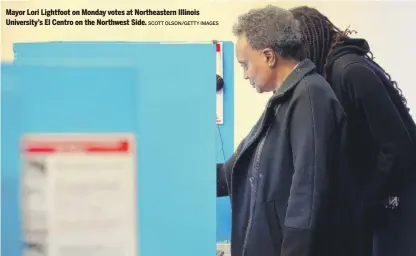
(381, 136)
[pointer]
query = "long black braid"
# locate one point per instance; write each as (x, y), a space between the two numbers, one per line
(320, 36)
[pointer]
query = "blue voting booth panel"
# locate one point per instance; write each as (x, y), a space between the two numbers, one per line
(225, 140)
(10, 129)
(134, 53)
(170, 109)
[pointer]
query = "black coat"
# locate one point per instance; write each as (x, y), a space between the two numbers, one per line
(289, 193)
(381, 150)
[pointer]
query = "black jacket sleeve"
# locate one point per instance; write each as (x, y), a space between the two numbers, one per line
(224, 174)
(385, 122)
(316, 120)
(222, 179)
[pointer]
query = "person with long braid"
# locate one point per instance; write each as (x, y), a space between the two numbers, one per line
(381, 136)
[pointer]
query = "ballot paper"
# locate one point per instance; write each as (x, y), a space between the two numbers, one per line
(79, 195)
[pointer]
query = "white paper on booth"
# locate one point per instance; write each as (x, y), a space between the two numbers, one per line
(220, 106)
(220, 72)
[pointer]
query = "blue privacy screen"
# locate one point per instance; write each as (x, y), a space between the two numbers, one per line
(122, 53)
(157, 94)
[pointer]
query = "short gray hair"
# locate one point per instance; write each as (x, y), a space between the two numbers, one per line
(271, 27)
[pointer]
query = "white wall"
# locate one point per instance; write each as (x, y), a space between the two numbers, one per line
(388, 25)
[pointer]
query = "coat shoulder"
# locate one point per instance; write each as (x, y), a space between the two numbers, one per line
(343, 64)
(314, 84)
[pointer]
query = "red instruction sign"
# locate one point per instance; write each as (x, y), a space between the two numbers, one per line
(74, 145)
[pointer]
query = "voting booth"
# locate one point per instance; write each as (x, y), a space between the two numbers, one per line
(110, 148)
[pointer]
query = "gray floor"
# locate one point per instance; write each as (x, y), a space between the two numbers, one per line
(225, 248)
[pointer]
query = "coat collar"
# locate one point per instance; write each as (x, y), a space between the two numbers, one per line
(303, 68)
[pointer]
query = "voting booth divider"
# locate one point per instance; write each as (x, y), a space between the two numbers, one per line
(109, 148)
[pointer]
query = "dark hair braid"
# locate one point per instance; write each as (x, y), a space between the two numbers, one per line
(398, 91)
(318, 35)
(321, 36)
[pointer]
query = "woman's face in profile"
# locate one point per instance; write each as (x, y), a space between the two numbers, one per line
(255, 65)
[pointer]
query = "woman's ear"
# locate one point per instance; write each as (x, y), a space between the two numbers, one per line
(270, 57)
